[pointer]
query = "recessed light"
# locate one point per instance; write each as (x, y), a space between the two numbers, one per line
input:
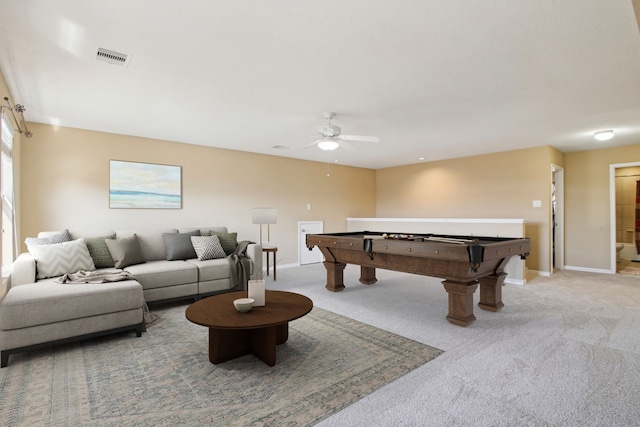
(420, 158)
(603, 135)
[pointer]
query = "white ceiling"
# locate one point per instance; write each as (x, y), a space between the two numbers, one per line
(431, 78)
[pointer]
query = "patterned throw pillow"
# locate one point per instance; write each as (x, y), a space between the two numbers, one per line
(60, 237)
(207, 247)
(178, 245)
(125, 251)
(99, 251)
(61, 258)
(229, 241)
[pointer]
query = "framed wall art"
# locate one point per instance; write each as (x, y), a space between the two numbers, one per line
(144, 186)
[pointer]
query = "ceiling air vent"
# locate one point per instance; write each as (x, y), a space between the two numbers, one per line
(112, 57)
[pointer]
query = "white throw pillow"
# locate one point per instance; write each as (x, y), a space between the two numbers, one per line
(61, 258)
(207, 247)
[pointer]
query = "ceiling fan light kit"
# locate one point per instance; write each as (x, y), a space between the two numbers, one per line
(327, 145)
(332, 138)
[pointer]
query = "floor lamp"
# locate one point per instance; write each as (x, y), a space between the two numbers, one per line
(264, 216)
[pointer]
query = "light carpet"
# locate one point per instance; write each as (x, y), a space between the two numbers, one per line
(165, 378)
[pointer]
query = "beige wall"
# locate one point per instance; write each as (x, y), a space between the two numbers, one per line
(499, 185)
(65, 181)
(587, 202)
(65, 184)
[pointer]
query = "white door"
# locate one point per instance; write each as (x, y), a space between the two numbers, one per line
(306, 256)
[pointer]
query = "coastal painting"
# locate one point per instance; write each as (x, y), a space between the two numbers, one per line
(144, 186)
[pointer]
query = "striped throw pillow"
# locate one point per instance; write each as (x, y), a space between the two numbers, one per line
(207, 247)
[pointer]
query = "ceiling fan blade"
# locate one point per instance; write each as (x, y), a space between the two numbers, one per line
(344, 144)
(309, 145)
(359, 138)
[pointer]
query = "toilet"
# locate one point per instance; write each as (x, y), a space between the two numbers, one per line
(619, 247)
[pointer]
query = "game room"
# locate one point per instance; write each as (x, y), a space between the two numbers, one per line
(438, 112)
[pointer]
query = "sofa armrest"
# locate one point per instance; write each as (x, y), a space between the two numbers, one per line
(23, 270)
(254, 253)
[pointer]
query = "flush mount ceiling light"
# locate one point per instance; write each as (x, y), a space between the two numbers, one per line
(327, 145)
(603, 135)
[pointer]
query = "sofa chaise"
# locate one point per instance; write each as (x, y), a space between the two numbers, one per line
(44, 306)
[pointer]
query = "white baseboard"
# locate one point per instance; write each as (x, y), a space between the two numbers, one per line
(589, 270)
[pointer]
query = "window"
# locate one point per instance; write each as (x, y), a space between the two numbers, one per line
(8, 248)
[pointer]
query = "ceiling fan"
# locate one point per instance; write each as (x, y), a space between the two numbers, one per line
(331, 137)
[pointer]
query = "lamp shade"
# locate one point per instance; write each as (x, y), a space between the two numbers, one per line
(264, 215)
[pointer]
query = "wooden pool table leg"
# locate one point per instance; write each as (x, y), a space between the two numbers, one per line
(460, 302)
(335, 276)
(491, 292)
(367, 275)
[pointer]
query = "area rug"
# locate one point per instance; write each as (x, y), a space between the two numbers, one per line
(165, 378)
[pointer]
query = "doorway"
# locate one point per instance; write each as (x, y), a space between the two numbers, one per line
(557, 218)
(623, 232)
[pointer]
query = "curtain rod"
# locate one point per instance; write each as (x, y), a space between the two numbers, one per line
(626, 176)
(20, 109)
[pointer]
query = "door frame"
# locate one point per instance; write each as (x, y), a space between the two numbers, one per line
(557, 253)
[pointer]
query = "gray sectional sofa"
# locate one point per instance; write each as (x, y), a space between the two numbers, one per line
(149, 266)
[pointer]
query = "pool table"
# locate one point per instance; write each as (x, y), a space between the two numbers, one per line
(462, 261)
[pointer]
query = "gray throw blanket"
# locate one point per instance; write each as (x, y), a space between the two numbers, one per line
(98, 276)
(240, 266)
(84, 276)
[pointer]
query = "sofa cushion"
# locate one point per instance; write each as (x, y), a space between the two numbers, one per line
(125, 251)
(49, 238)
(163, 273)
(47, 302)
(61, 258)
(151, 242)
(229, 241)
(212, 269)
(204, 231)
(179, 246)
(207, 247)
(99, 251)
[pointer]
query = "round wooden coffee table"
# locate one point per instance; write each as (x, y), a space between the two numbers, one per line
(233, 334)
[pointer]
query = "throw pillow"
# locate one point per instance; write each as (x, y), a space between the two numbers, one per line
(61, 237)
(229, 241)
(57, 259)
(99, 251)
(125, 251)
(207, 247)
(178, 245)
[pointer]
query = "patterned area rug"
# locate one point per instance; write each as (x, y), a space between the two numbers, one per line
(165, 378)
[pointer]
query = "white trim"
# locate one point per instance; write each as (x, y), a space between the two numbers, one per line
(514, 281)
(467, 220)
(589, 270)
(559, 220)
